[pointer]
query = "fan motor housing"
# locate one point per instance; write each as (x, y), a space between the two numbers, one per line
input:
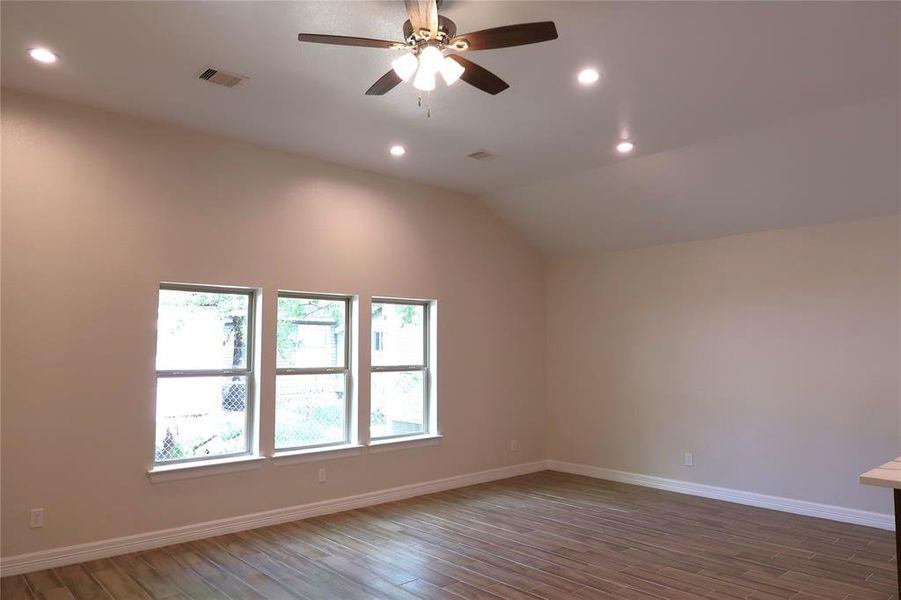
(445, 26)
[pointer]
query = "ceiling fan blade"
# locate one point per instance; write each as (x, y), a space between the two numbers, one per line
(509, 35)
(384, 85)
(423, 16)
(343, 40)
(480, 77)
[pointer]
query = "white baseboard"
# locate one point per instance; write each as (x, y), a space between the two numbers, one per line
(57, 557)
(798, 507)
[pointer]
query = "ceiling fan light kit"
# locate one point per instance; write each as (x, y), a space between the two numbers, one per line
(427, 35)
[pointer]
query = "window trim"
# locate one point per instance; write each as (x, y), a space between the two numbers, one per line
(249, 372)
(346, 369)
(425, 368)
(414, 441)
(213, 466)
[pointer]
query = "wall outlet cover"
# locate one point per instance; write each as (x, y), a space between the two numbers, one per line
(36, 518)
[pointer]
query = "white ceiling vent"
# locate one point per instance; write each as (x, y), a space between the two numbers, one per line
(482, 155)
(222, 78)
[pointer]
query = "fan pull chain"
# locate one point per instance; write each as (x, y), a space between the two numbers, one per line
(428, 104)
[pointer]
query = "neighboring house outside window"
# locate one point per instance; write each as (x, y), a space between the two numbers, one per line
(401, 378)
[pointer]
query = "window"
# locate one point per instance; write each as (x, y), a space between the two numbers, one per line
(204, 373)
(400, 369)
(312, 388)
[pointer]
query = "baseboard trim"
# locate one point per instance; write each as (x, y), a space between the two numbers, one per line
(58, 557)
(789, 505)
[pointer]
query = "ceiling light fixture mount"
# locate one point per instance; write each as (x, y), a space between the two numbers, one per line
(42, 55)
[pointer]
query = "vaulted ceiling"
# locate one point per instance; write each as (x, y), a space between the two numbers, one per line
(674, 76)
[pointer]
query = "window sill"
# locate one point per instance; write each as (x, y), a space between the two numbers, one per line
(191, 470)
(292, 457)
(414, 441)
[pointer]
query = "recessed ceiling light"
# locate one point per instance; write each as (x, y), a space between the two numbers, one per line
(588, 76)
(398, 150)
(625, 147)
(42, 55)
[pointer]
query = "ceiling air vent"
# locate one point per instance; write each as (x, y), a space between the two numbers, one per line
(221, 77)
(482, 155)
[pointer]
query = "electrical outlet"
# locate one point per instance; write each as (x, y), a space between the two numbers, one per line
(514, 446)
(37, 518)
(689, 459)
(323, 475)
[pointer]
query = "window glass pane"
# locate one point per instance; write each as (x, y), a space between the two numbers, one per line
(200, 416)
(310, 332)
(201, 330)
(309, 410)
(398, 401)
(398, 334)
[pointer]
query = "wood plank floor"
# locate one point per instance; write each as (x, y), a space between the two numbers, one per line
(545, 535)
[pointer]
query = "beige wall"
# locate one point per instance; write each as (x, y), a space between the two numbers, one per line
(772, 356)
(98, 209)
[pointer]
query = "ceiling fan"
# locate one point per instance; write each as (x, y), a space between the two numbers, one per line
(427, 35)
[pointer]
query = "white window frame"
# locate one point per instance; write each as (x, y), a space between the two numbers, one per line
(349, 413)
(250, 372)
(428, 398)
